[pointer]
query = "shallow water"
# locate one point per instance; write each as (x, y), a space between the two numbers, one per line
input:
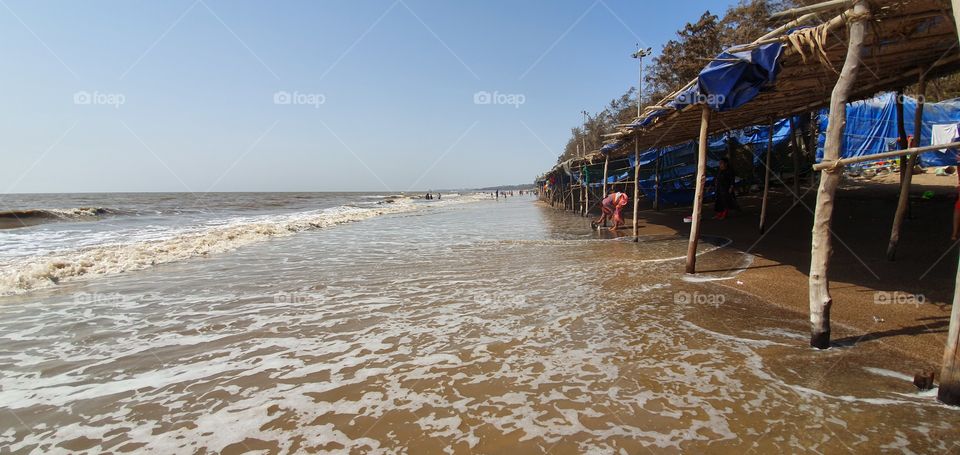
(473, 327)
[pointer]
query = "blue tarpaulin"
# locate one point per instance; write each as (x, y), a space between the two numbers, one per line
(872, 127)
(733, 79)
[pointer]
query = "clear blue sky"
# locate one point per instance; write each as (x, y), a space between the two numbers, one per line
(179, 95)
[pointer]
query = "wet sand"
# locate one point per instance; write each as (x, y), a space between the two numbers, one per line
(874, 299)
(488, 327)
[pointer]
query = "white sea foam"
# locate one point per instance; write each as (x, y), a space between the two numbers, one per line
(23, 274)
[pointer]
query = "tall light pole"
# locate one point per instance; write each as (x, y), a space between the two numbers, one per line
(584, 137)
(639, 55)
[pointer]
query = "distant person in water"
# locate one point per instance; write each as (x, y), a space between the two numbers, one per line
(611, 208)
(497, 194)
(725, 197)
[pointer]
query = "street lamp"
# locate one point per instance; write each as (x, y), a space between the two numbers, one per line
(639, 55)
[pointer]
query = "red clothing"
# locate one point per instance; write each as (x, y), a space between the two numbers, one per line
(616, 200)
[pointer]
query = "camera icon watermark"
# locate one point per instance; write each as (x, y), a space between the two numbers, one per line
(510, 99)
(700, 98)
(284, 97)
(898, 298)
(686, 298)
(295, 298)
(97, 298)
(96, 98)
(499, 298)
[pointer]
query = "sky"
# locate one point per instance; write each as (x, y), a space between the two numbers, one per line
(346, 95)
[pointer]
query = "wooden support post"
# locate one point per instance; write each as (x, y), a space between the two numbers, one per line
(656, 181)
(901, 133)
(606, 164)
(906, 175)
(698, 196)
(586, 192)
(795, 142)
(949, 392)
(819, 284)
(766, 181)
(636, 189)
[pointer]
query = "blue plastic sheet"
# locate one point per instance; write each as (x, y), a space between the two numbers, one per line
(872, 127)
(736, 78)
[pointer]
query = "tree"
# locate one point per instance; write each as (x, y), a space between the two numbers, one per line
(679, 62)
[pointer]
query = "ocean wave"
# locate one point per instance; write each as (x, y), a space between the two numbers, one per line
(36, 272)
(48, 270)
(27, 217)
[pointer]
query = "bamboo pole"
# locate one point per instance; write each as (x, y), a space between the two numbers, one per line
(956, 14)
(795, 141)
(906, 179)
(859, 159)
(819, 284)
(901, 131)
(636, 189)
(583, 185)
(816, 8)
(698, 195)
(656, 180)
(949, 392)
(586, 192)
(606, 164)
(766, 181)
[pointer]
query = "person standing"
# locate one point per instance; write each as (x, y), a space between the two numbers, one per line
(725, 199)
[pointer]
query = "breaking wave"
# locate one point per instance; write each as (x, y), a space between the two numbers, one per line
(27, 217)
(48, 270)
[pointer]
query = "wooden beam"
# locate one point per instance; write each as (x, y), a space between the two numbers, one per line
(906, 179)
(636, 189)
(823, 165)
(766, 181)
(815, 8)
(698, 195)
(819, 284)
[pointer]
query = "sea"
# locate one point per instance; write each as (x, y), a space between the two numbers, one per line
(384, 323)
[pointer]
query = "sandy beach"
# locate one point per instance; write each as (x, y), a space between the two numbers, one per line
(875, 301)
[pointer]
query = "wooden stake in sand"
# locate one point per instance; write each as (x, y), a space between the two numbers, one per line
(636, 188)
(819, 284)
(906, 173)
(766, 181)
(698, 196)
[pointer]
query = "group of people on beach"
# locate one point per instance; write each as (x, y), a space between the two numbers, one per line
(497, 194)
(429, 196)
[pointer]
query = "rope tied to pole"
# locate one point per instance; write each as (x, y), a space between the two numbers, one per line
(850, 16)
